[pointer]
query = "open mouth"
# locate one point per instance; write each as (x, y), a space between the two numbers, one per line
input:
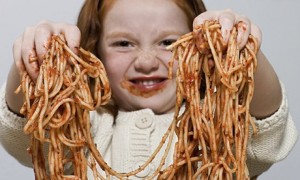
(147, 84)
(145, 87)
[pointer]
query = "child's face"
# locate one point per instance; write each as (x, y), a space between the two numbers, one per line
(133, 41)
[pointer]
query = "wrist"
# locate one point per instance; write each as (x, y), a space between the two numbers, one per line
(14, 112)
(13, 101)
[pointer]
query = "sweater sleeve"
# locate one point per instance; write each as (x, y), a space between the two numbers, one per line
(12, 137)
(16, 143)
(275, 138)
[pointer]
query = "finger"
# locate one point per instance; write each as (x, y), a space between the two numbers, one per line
(208, 15)
(42, 37)
(226, 20)
(28, 52)
(256, 32)
(72, 35)
(17, 55)
(243, 25)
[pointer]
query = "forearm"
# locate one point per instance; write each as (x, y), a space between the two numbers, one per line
(267, 93)
(13, 100)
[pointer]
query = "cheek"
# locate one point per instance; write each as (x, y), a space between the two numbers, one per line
(166, 57)
(116, 67)
(115, 73)
(175, 67)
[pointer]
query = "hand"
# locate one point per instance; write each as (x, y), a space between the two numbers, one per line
(228, 19)
(34, 43)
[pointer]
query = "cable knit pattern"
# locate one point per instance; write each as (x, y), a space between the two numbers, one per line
(102, 129)
(136, 135)
(126, 141)
(12, 137)
(275, 138)
(13, 121)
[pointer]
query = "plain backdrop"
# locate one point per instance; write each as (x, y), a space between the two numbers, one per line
(279, 20)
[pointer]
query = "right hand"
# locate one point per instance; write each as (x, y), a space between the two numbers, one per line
(34, 42)
(228, 19)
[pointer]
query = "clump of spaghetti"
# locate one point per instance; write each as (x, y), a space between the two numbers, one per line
(214, 128)
(57, 108)
(212, 131)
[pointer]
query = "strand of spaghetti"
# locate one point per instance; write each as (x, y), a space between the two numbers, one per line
(53, 110)
(45, 104)
(57, 79)
(182, 67)
(63, 94)
(184, 38)
(208, 99)
(216, 58)
(203, 167)
(162, 161)
(171, 64)
(26, 89)
(31, 123)
(66, 116)
(91, 57)
(97, 93)
(197, 63)
(106, 89)
(247, 120)
(184, 119)
(170, 134)
(68, 142)
(187, 155)
(86, 65)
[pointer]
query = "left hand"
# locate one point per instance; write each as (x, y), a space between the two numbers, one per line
(228, 19)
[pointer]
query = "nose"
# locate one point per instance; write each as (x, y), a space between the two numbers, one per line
(146, 61)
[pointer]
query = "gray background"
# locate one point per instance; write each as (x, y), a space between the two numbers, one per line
(278, 19)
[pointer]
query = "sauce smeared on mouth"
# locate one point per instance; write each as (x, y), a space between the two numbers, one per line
(144, 88)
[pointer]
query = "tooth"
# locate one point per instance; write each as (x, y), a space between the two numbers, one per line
(147, 82)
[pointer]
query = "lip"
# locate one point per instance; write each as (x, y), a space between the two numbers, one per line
(145, 86)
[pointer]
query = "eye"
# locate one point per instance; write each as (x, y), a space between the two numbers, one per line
(122, 44)
(167, 42)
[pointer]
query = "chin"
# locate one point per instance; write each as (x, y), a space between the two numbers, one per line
(165, 111)
(159, 103)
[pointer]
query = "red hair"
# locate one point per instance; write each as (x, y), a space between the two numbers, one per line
(93, 12)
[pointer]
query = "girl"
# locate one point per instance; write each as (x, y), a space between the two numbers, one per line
(130, 37)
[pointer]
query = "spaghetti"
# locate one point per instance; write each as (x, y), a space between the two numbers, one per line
(57, 109)
(216, 128)
(212, 131)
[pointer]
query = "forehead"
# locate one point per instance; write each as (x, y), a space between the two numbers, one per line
(150, 11)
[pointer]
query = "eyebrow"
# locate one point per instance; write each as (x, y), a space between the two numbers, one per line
(165, 33)
(173, 32)
(119, 34)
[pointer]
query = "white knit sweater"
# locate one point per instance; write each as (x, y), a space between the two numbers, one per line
(127, 141)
